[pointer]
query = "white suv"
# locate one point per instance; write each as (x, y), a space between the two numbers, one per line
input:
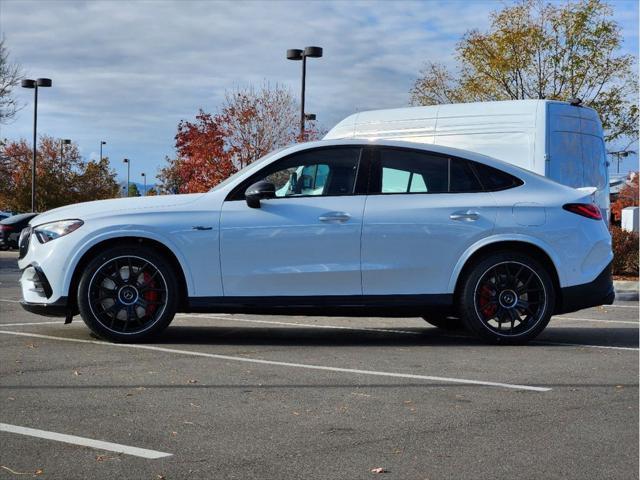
(342, 227)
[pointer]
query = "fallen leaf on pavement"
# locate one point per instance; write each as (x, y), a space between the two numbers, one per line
(193, 380)
(378, 470)
(77, 373)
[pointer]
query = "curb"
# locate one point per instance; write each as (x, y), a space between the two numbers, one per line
(626, 290)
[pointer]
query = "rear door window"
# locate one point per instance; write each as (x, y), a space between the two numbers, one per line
(409, 171)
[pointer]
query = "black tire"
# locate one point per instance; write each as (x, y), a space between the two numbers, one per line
(445, 322)
(120, 307)
(506, 297)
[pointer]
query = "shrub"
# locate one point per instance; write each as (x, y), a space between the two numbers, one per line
(625, 251)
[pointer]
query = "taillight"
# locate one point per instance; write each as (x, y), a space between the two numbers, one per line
(6, 228)
(588, 210)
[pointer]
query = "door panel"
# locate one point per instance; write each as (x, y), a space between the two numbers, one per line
(410, 243)
(292, 246)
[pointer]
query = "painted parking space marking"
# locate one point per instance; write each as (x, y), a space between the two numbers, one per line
(28, 323)
(595, 320)
(84, 442)
(294, 324)
(430, 378)
(9, 301)
(341, 327)
(585, 345)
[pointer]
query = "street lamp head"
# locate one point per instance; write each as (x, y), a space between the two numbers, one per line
(65, 141)
(126, 160)
(294, 54)
(44, 82)
(103, 142)
(27, 83)
(313, 52)
(143, 174)
(310, 116)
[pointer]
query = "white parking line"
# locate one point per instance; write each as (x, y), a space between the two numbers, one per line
(340, 327)
(294, 324)
(28, 323)
(462, 381)
(85, 442)
(583, 345)
(595, 320)
(9, 301)
(620, 306)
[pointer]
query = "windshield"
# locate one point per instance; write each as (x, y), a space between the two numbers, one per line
(251, 166)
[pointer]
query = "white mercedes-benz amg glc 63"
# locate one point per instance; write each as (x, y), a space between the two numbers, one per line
(338, 227)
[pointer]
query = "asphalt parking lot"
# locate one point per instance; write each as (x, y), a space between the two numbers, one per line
(244, 396)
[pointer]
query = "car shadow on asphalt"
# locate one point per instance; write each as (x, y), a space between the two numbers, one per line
(321, 337)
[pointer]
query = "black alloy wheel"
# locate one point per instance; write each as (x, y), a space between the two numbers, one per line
(126, 294)
(508, 298)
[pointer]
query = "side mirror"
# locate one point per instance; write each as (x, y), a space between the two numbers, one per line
(259, 191)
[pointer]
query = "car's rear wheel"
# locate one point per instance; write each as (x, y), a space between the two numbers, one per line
(127, 294)
(444, 322)
(507, 297)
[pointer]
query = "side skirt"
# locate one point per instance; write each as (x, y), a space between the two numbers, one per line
(338, 305)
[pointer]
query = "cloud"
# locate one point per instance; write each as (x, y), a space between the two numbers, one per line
(127, 72)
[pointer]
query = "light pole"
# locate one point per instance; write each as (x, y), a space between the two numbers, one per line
(144, 177)
(128, 162)
(296, 54)
(63, 141)
(28, 83)
(620, 154)
(102, 142)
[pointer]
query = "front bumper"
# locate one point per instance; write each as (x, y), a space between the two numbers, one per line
(59, 308)
(598, 292)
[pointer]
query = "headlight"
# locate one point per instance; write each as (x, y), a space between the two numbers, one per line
(52, 230)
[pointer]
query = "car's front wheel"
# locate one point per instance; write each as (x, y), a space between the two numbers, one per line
(507, 297)
(127, 294)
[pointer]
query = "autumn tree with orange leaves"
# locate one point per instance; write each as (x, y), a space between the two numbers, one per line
(251, 123)
(63, 176)
(628, 197)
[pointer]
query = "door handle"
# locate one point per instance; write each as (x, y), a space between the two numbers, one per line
(334, 217)
(201, 227)
(467, 216)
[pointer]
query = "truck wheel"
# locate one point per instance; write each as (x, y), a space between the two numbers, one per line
(127, 294)
(507, 297)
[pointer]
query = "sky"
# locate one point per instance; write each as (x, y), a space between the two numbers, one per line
(127, 72)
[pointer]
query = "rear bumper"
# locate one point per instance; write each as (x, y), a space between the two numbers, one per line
(59, 308)
(598, 292)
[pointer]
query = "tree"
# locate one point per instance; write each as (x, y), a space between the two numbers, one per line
(170, 180)
(61, 179)
(542, 50)
(251, 123)
(152, 192)
(628, 197)
(133, 190)
(10, 76)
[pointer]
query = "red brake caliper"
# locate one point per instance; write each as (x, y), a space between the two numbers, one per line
(487, 309)
(150, 295)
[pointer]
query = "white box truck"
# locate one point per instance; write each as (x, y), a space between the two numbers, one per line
(560, 140)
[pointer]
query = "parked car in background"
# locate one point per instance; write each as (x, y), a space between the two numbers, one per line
(340, 227)
(559, 140)
(11, 227)
(4, 215)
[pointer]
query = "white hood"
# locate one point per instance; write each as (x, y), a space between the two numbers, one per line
(108, 207)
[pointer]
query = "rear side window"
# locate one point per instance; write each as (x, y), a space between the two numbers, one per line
(493, 179)
(406, 171)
